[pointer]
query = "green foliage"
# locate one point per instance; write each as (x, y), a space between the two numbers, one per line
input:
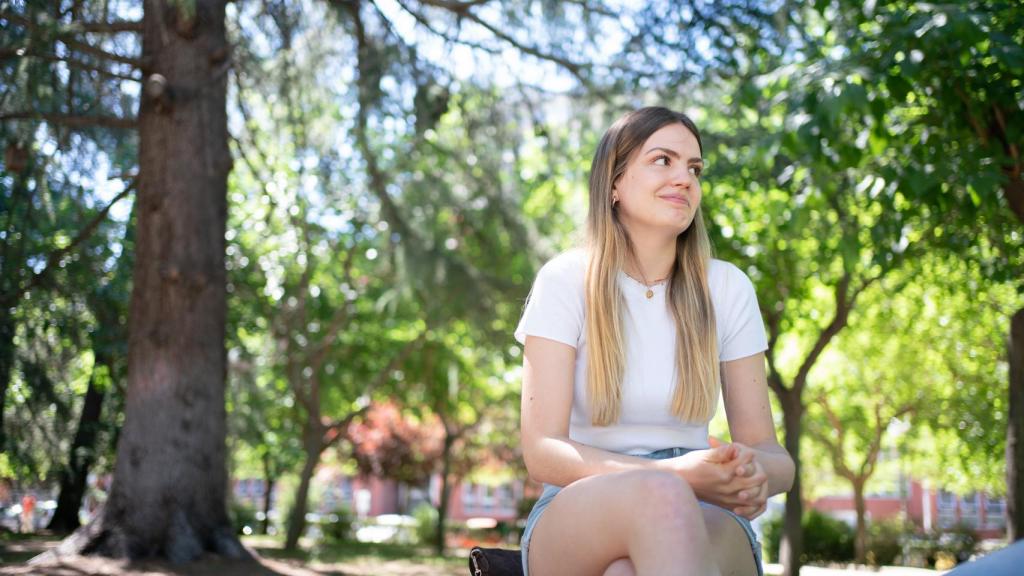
(771, 540)
(243, 517)
(885, 541)
(337, 525)
(956, 544)
(426, 523)
(826, 539)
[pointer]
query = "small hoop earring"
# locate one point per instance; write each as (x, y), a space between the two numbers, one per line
(615, 200)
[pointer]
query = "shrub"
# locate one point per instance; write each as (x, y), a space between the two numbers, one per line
(337, 525)
(771, 531)
(524, 507)
(960, 541)
(942, 548)
(825, 538)
(885, 541)
(242, 516)
(426, 523)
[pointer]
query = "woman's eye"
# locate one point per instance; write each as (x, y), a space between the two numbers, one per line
(661, 160)
(696, 171)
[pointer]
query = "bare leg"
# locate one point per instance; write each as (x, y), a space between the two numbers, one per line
(729, 543)
(621, 567)
(648, 516)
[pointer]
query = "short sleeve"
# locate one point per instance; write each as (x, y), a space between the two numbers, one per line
(554, 308)
(740, 324)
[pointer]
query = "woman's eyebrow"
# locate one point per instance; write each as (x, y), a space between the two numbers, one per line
(675, 154)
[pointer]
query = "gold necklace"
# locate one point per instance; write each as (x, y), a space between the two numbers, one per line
(650, 292)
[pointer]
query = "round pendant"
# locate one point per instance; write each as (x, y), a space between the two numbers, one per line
(650, 293)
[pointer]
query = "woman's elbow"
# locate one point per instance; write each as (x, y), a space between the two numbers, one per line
(788, 475)
(533, 457)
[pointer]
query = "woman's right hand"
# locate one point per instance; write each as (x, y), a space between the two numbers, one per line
(717, 475)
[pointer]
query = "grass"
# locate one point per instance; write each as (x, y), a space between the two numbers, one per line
(349, 552)
(16, 548)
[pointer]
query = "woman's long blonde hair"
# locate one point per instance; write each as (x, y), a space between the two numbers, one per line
(609, 248)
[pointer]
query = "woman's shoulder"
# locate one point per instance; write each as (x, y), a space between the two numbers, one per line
(726, 276)
(568, 266)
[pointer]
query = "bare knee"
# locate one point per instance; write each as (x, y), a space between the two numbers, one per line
(730, 544)
(663, 498)
(621, 567)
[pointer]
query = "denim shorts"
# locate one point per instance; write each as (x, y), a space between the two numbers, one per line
(550, 491)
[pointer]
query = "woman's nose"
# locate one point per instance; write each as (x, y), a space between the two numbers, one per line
(682, 178)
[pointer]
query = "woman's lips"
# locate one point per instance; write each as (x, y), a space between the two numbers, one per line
(679, 200)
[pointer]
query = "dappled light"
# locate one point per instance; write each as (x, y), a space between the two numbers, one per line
(262, 266)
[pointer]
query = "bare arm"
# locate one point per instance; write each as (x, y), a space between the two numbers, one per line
(550, 455)
(553, 458)
(745, 391)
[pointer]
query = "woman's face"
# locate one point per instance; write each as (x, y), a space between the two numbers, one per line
(660, 189)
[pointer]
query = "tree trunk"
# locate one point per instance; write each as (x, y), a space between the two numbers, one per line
(442, 505)
(168, 497)
(297, 517)
(81, 456)
(1015, 432)
(792, 547)
(7, 329)
(268, 484)
(860, 543)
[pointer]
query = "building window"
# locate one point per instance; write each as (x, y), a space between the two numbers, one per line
(946, 504)
(346, 489)
(969, 510)
(995, 513)
(488, 498)
(504, 496)
(468, 495)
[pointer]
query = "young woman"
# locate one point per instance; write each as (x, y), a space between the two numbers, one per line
(627, 341)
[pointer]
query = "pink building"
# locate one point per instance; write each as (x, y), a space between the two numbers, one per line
(371, 496)
(927, 508)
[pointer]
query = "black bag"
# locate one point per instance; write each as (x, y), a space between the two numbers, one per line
(495, 562)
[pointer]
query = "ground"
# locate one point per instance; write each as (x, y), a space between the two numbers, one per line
(360, 560)
(349, 560)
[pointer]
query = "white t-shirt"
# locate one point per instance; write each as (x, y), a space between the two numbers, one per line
(555, 310)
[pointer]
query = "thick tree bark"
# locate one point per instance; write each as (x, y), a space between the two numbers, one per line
(442, 505)
(168, 498)
(297, 517)
(1015, 432)
(792, 534)
(81, 456)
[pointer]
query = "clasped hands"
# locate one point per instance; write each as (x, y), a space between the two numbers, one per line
(727, 475)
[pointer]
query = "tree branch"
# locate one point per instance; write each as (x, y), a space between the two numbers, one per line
(136, 63)
(774, 377)
(338, 321)
(333, 430)
(111, 27)
(57, 255)
(462, 9)
(76, 44)
(838, 322)
(378, 184)
(836, 449)
(71, 63)
(444, 35)
(72, 120)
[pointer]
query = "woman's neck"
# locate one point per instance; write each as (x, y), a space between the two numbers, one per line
(655, 256)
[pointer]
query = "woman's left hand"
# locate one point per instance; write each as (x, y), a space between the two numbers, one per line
(754, 494)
